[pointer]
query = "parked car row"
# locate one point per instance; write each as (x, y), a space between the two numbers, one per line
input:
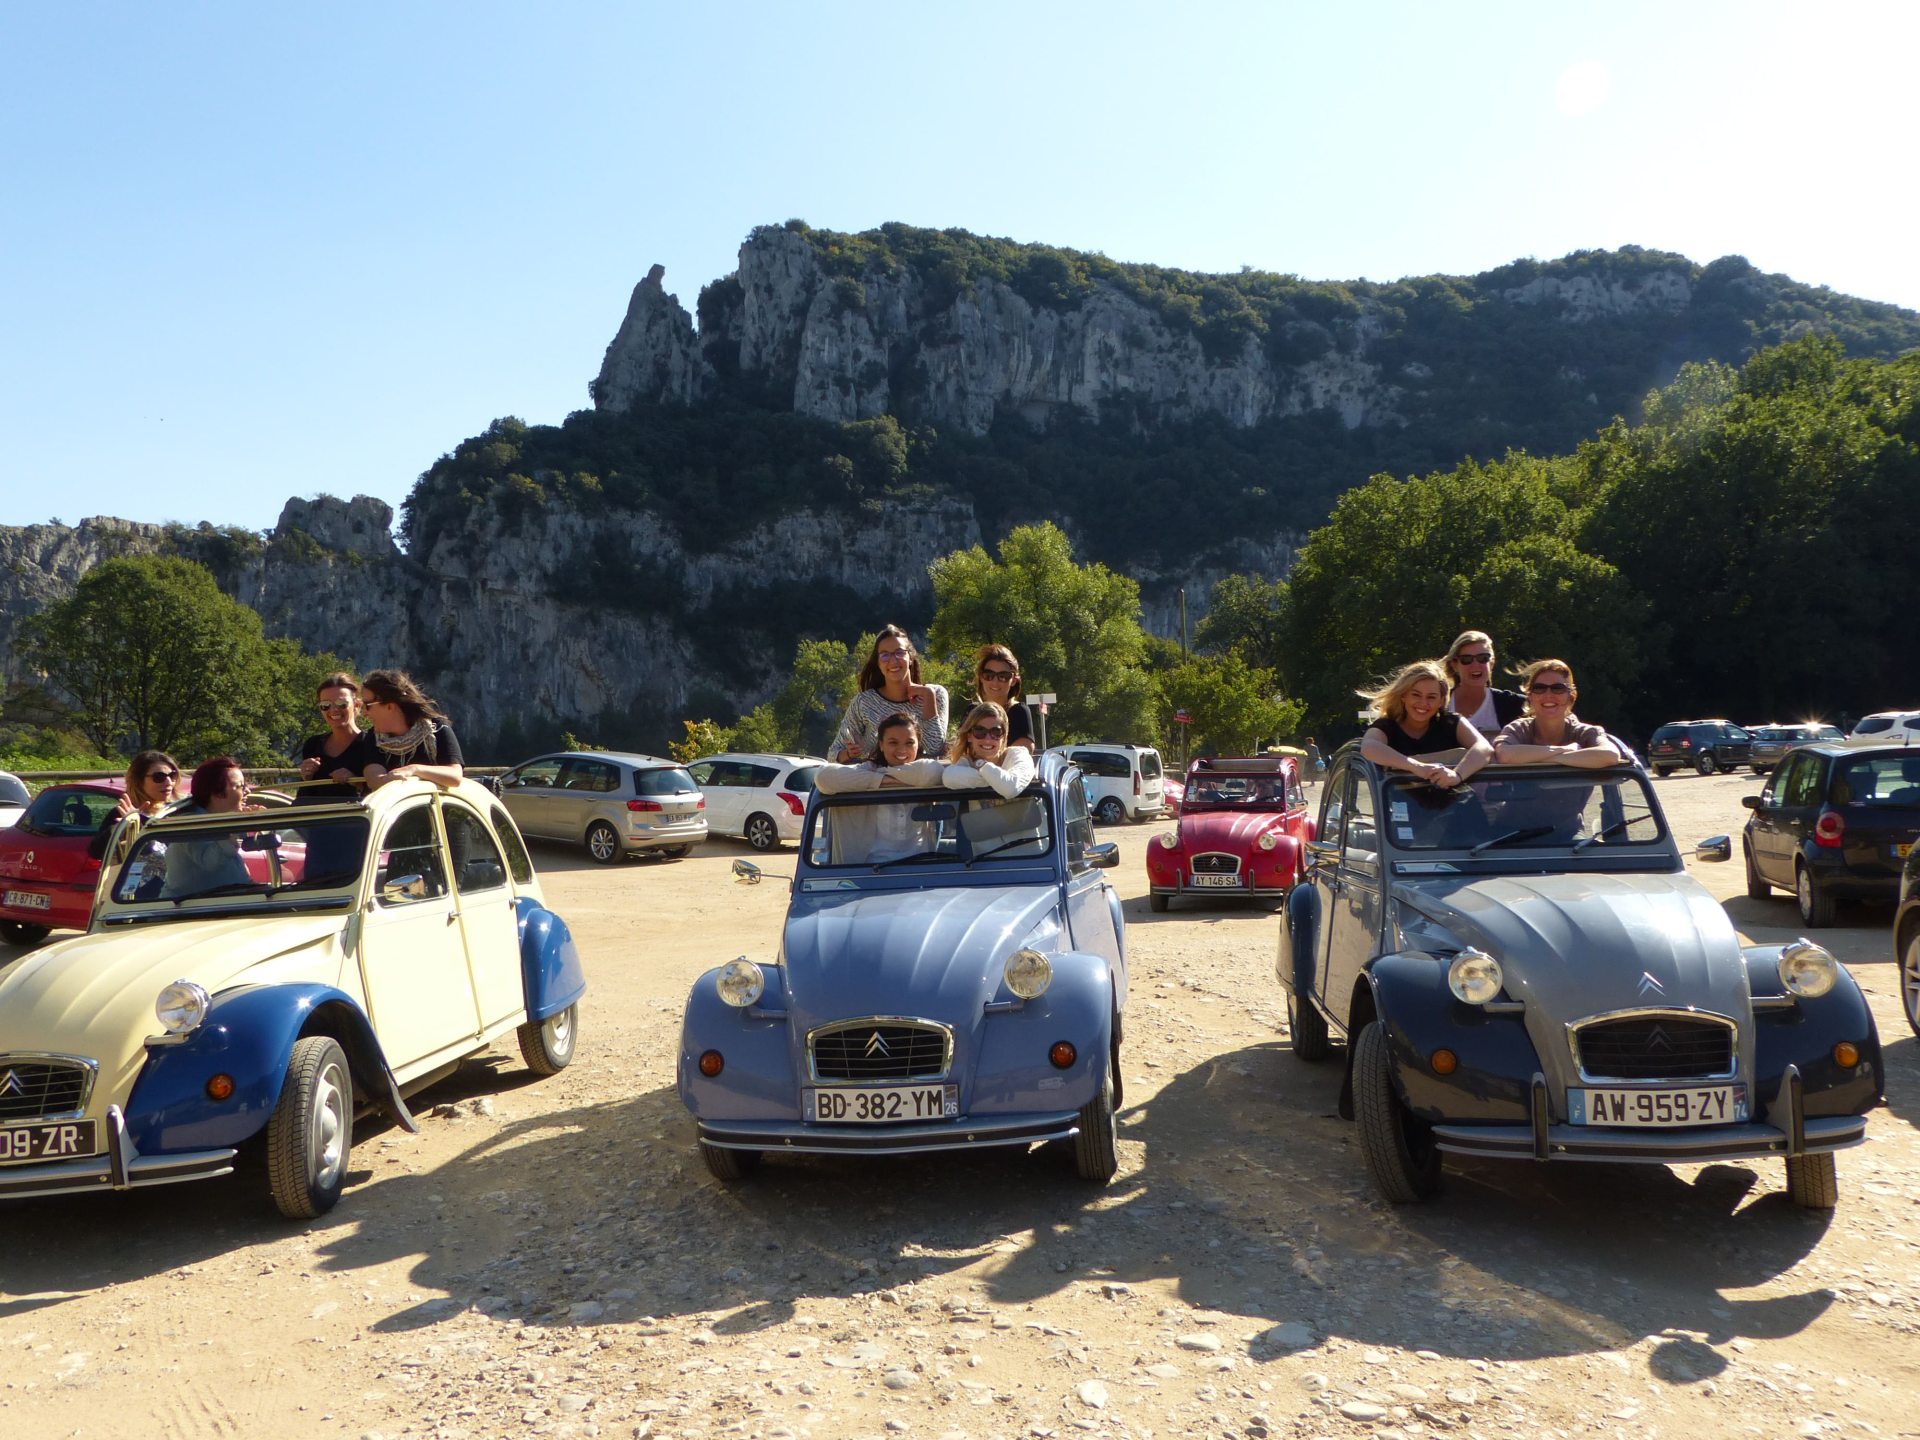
(1709, 746)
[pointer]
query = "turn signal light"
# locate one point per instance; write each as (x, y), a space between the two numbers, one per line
(220, 1087)
(712, 1063)
(1063, 1054)
(1444, 1062)
(1846, 1055)
(643, 804)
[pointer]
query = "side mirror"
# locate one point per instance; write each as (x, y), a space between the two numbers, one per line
(746, 872)
(1714, 847)
(1752, 802)
(1322, 852)
(405, 887)
(1103, 856)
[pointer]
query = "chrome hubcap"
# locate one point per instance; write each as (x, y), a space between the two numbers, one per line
(1803, 888)
(560, 1033)
(327, 1156)
(1910, 981)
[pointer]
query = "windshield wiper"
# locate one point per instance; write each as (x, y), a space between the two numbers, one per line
(1594, 839)
(237, 887)
(1532, 832)
(1006, 845)
(917, 855)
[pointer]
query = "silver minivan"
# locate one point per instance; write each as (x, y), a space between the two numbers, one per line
(612, 802)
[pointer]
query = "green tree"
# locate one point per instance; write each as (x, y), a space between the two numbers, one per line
(1246, 615)
(1234, 708)
(149, 652)
(1076, 629)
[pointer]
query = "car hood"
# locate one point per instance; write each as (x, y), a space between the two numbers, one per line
(1230, 830)
(93, 995)
(926, 954)
(1573, 946)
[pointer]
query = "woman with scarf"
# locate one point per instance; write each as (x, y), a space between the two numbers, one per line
(414, 737)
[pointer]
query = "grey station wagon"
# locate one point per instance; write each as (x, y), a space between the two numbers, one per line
(612, 802)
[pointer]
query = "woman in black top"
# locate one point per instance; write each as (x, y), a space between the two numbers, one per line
(1411, 721)
(413, 734)
(996, 680)
(346, 752)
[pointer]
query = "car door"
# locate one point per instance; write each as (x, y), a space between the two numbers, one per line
(1763, 831)
(1350, 886)
(489, 916)
(528, 794)
(726, 796)
(413, 960)
(1090, 924)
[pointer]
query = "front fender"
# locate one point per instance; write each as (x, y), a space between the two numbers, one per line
(1805, 1033)
(1497, 1062)
(1299, 939)
(550, 970)
(758, 1082)
(248, 1034)
(1013, 1075)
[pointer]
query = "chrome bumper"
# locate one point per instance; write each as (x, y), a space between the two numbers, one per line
(121, 1168)
(891, 1139)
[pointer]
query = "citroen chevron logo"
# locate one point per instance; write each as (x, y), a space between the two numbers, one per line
(1649, 985)
(876, 1046)
(1657, 1039)
(12, 1084)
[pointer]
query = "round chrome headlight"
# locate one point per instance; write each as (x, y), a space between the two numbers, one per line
(181, 1007)
(1028, 974)
(1168, 839)
(740, 982)
(1475, 976)
(1269, 841)
(1808, 970)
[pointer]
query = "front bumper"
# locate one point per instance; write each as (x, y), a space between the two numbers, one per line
(1183, 887)
(122, 1167)
(963, 1134)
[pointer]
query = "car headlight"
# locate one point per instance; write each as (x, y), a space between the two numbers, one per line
(1475, 976)
(740, 982)
(1808, 970)
(1269, 841)
(181, 1007)
(1028, 974)
(1168, 839)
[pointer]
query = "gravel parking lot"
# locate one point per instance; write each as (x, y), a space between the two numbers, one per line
(551, 1258)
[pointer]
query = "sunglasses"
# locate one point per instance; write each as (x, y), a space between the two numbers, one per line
(987, 732)
(326, 705)
(999, 674)
(1556, 688)
(894, 657)
(1473, 659)
(162, 777)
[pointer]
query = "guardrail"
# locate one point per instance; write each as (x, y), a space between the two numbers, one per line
(37, 780)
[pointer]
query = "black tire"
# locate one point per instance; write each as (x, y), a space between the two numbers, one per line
(1813, 1181)
(547, 1045)
(1311, 1039)
(603, 843)
(674, 852)
(760, 832)
(1158, 903)
(1910, 978)
(1707, 764)
(1110, 811)
(1816, 905)
(731, 1166)
(1399, 1149)
(18, 932)
(1663, 771)
(1761, 769)
(310, 1132)
(1096, 1154)
(1757, 889)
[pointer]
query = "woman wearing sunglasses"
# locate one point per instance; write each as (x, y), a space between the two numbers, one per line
(1469, 662)
(416, 739)
(996, 678)
(153, 781)
(346, 752)
(1549, 731)
(980, 756)
(890, 684)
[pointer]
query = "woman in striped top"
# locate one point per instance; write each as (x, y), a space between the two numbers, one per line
(890, 685)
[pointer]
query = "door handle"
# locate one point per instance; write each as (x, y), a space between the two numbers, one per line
(452, 915)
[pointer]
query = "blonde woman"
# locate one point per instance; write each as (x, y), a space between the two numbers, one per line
(1411, 720)
(1469, 664)
(1549, 730)
(981, 758)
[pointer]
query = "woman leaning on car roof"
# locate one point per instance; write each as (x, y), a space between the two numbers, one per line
(413, 734)
(870, 834)
(1469, 664)
(153, 779)
(890, 684)
(1411, 720)
(982, 755)
(1549, 730)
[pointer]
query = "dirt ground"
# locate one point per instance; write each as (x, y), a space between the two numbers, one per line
(551, 1258)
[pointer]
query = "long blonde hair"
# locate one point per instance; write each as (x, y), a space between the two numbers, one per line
(957, 748)
(1389, 698)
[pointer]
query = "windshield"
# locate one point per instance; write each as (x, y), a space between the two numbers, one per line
(182, 864)
(64, 810)
(1234, 792)
(1503, 807)
(928, 827)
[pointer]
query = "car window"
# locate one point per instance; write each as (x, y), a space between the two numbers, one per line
(410, 851)
(703, 773)
(664, 780)
(1296, 795)
(1884, 780)
(594, 776)
(1150, 764)
(60, 811)
(800, 779)
(1077, 820)
(544, 773)
(1873, 725)
(758, 776)
(1802, 785)
(1105, 766)
(1737, 735)
(518, 861)
(476, 859)
(1667, 734)
(244, 864)
(963, 828)
(1501, 808)
(1359, 830)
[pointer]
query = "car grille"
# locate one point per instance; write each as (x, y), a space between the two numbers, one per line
(1216, 864)
(1654, 1047)
(862, 1050)
(36, 1089)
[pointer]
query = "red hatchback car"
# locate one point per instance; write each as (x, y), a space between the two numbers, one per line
(46, 875)
(1243, 828)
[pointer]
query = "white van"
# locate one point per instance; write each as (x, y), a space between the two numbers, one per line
(1123, 781)
(1889, 727)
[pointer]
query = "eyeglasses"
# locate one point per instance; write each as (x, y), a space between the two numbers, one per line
(987, 732)
(1473, 659)
(326, 705)
(999, 675)
(163, 777)
(1555, 688)
(894, 657)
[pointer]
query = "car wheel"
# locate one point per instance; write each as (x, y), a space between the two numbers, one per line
(1813, 1181)
(1158, 903)
(1757, 889)
(1308, 1028)
(1399, 1148)
(1096, 1154)
(1760, 769)
(1708, 765)
(1910, 979)
(1110, 811)
(1816, 905)
(761, 833)
(311, 1130)
(674, 852)
(729, 1165)
(547, 1045)
(603, 843)
(1663, 771)
(16, 932)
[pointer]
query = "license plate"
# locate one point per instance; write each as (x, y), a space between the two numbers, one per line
(881, 1105)
(1658, 1109)
(1215, 882)
(68, 1140)
(28, 900)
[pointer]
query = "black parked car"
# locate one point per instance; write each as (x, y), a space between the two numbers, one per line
(1835, 822)
(1906, 938)
(1703, 745)
(1770, 742)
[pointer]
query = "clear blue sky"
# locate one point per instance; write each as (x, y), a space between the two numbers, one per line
(254, 251)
